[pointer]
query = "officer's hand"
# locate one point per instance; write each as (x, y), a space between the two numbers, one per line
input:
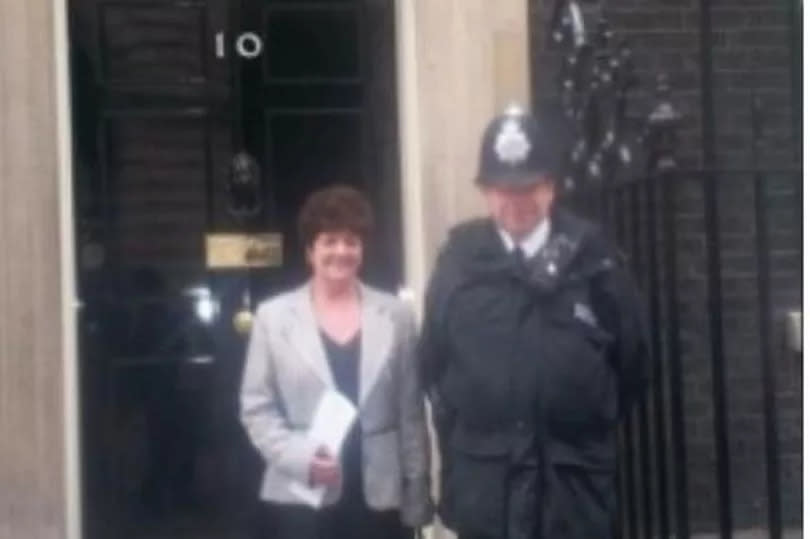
(324, 469)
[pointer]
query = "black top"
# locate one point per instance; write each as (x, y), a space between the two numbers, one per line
(344, 361)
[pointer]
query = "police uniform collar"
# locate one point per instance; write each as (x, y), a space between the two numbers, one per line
(532, 243)
(479, 248)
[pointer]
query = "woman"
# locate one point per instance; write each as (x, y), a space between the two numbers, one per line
(336, 333)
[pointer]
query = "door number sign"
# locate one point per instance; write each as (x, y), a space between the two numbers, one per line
(248, 45)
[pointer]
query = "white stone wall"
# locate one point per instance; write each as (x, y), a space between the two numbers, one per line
(459, 62)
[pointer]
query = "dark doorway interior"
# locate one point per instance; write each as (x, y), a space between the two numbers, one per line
(169, 99)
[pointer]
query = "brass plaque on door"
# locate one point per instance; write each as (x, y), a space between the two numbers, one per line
(233, 251)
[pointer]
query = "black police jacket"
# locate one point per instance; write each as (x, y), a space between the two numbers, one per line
(530, 369)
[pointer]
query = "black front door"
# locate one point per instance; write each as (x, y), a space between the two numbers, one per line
(194, 118)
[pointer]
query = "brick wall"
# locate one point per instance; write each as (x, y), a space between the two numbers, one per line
(750, 53)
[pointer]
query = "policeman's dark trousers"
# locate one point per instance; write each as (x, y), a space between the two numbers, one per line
(523, 516)
(583, 505)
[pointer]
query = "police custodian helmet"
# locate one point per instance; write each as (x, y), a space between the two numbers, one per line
(516, 150)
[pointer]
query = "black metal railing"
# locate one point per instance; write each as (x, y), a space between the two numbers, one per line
(624, 172)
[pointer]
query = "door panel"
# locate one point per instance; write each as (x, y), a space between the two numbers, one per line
(317, 54)
(155, 44)
(163, 103)
(304, 149)
(158, 170)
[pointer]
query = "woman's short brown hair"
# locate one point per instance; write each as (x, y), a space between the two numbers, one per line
(333, 209)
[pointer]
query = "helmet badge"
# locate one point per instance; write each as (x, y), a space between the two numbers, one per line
(512, 145)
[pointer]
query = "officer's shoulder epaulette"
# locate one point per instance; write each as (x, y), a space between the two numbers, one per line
(469, 228)
(469, 234)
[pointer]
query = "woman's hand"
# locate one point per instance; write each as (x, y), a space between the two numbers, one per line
(324, 469)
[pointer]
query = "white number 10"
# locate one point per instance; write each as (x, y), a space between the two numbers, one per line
(248, 45)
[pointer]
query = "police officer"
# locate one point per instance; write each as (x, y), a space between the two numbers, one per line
(532, 350)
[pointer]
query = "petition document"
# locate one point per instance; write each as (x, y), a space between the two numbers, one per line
(333, 419)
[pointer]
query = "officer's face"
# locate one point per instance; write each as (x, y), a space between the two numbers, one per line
(336, 256)
(519, 209)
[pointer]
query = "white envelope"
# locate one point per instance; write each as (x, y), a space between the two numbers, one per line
(334, 417)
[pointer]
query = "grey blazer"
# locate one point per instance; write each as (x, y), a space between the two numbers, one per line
(285, 374)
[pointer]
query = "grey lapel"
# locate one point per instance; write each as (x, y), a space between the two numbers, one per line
(305, 336)
(377, 338)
